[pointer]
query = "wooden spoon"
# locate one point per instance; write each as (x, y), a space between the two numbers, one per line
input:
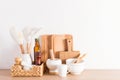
(22, 48)
(79, 59)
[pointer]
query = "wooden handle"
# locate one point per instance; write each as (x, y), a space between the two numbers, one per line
(28, 47)
(52, 54)
(22, 48)
(80, 58)
(69, 44)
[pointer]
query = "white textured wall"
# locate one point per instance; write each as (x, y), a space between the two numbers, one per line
(94, 25)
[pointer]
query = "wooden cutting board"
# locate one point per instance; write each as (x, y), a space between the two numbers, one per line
(59, 43)
(55, 42)
(63, 55)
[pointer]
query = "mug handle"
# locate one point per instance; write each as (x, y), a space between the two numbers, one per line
(68, 68)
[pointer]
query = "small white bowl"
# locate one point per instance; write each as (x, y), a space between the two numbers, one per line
(53, 65)
(75, 68)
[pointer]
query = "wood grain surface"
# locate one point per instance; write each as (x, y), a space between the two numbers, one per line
(86, 75)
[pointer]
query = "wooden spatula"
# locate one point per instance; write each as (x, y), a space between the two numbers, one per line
(80, 58)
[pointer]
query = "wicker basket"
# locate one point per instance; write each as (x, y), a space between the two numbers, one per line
(35, 71)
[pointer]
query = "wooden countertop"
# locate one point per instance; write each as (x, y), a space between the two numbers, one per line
(86, 75)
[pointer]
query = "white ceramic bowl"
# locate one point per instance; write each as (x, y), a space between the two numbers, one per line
(53, 65)
(75, 68)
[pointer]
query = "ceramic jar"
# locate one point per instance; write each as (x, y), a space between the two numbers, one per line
(26, 61)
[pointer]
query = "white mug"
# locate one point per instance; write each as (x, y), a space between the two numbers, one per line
(62, 70)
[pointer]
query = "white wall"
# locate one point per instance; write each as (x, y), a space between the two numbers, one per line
(94, 25)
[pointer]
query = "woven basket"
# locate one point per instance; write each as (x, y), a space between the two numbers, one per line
(35, 71)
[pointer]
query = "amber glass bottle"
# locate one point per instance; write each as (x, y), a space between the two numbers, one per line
(37, 53)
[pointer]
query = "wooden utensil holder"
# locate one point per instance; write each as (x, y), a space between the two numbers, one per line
(35, 71)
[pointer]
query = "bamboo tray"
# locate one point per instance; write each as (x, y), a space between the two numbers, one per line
(35, 71)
